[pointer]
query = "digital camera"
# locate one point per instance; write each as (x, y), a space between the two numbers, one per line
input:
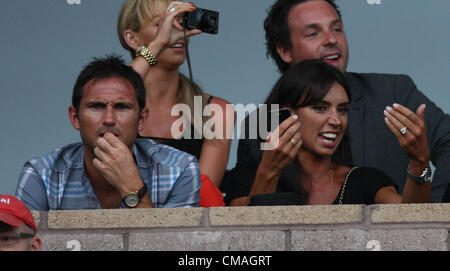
(205, 20)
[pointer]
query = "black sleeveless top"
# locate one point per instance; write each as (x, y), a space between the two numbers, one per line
(360, 187)
(190, 145)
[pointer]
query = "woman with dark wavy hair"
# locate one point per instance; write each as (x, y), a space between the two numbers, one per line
(309, 163)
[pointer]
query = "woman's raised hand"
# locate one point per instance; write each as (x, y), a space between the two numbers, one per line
(170, 29)
(285, 146)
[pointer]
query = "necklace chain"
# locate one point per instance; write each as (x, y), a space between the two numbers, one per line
(345, 183)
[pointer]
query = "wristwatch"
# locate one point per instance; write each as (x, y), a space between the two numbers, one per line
(132, 199)
(145, 53)
(425, 177)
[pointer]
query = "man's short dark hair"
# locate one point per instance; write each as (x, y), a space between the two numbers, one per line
(108, 67)
(308, 81)
(277, 28)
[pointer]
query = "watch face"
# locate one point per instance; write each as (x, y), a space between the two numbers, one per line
(131, 200)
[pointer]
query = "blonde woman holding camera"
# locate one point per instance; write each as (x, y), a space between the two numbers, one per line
(151, 31)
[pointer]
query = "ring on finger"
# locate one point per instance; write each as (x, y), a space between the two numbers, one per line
(403, 130)
(171, 9)
(293, 141)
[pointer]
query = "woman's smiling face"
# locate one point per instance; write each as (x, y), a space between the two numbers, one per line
(324, 123)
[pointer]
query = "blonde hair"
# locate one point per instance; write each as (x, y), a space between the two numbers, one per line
(136, 13)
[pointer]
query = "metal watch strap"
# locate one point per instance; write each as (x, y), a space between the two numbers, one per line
(145, 53)
(425, 177)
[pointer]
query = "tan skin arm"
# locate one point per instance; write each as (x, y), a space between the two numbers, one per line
(215, 152)
(412, 193)
(242, 201)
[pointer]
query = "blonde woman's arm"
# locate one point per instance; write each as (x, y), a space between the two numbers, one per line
(216, 147)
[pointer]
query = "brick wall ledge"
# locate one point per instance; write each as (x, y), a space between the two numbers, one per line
(277, 228)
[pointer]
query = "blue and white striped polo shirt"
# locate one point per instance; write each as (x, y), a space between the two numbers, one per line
(58, 180)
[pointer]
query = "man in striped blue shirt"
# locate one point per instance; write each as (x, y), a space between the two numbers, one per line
(111, 167)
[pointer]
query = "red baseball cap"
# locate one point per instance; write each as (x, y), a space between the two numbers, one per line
(14, 212)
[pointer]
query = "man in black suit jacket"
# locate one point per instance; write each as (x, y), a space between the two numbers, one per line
(392, 125)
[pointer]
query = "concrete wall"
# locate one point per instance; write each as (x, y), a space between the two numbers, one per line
(287, 228)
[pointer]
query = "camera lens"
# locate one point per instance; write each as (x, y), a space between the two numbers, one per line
(212, 20)
(209, 21)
